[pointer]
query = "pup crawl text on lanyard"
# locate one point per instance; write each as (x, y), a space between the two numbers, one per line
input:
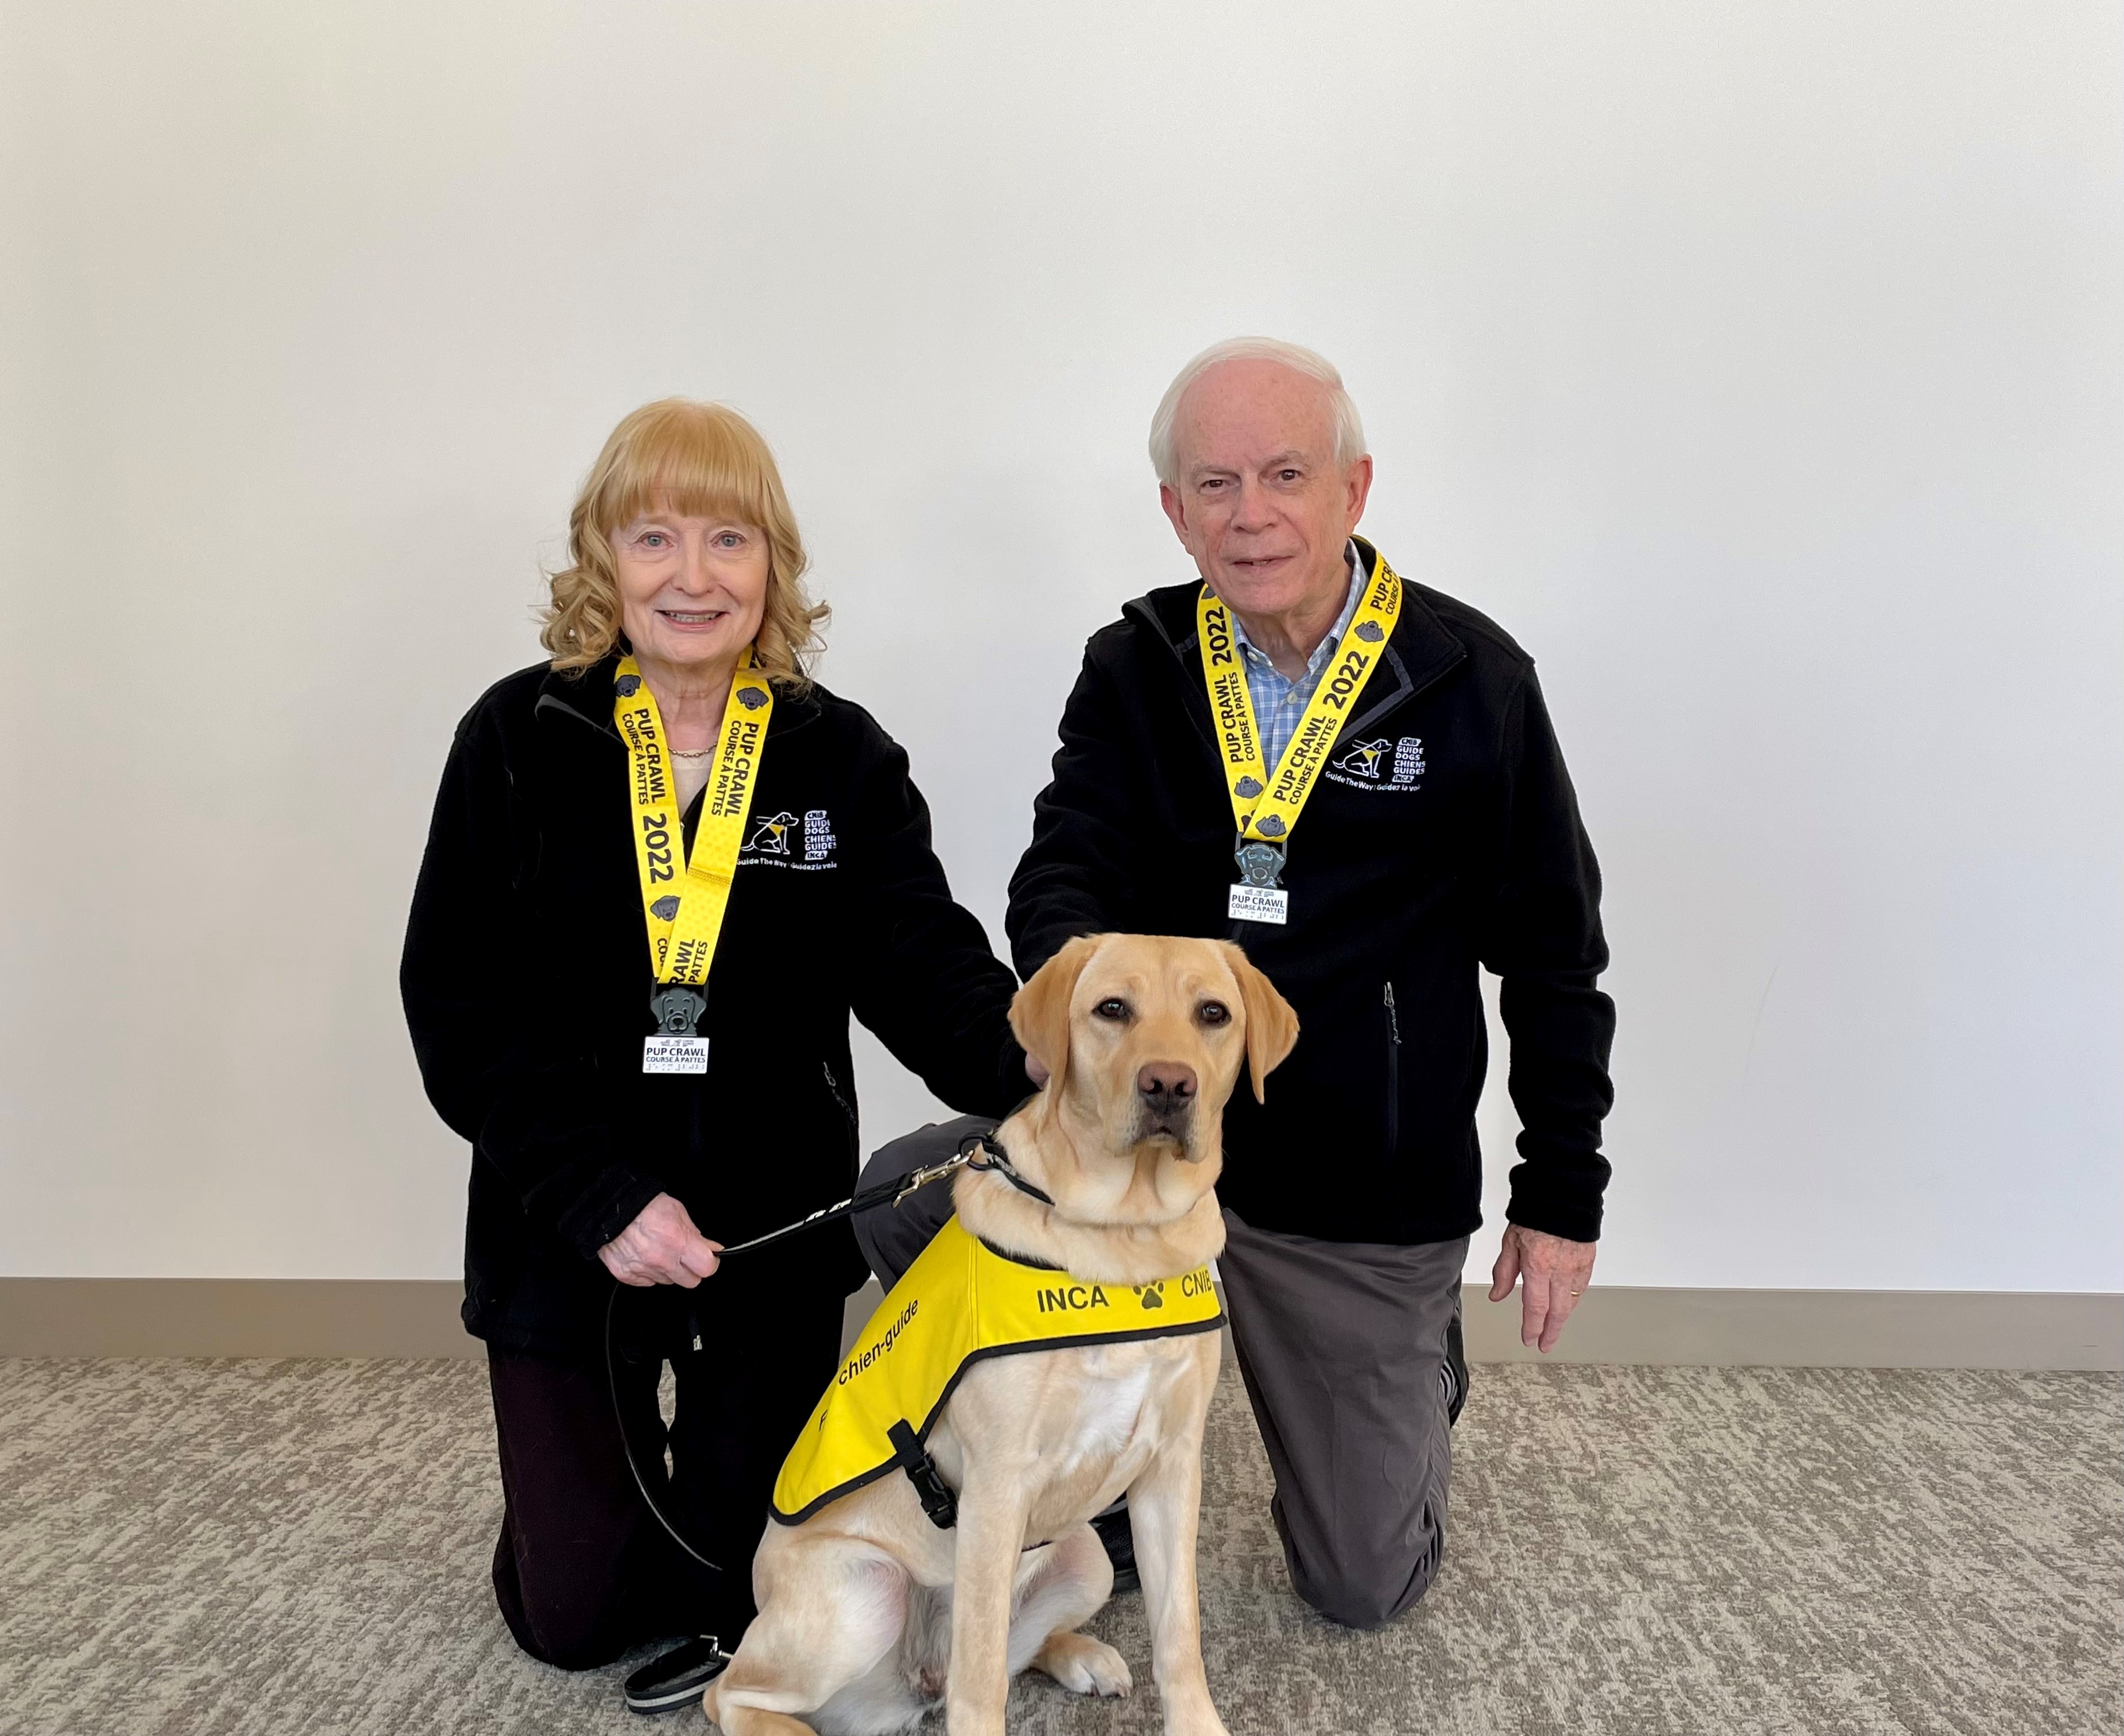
(1267, 808)
(685, 906)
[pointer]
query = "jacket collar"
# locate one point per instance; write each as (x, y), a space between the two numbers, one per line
(1423, 649)
(587, 697)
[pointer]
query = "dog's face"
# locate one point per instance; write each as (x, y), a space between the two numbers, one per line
(1142, 1037)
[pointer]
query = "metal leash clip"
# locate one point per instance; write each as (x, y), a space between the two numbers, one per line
(919, 1179)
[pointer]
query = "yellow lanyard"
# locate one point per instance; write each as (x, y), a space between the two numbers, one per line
(685, 906)
(1266, 808)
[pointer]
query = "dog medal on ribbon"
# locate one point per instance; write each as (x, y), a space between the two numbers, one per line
(1258, 898)
(1266, 803)
(677, 1046)
(686, 888)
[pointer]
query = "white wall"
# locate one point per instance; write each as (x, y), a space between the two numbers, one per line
(1756, 365)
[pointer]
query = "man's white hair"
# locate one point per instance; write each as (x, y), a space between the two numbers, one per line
(1349, 426)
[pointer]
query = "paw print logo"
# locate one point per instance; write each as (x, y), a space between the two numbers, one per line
(1152, 1294)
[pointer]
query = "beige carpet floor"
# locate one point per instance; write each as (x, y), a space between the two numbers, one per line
(299, 1547)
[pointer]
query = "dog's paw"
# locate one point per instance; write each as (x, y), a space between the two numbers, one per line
(1084, 1665)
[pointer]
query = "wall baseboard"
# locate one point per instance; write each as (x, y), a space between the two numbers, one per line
(1818, 1329)
(232, 1316)
(418, 1317)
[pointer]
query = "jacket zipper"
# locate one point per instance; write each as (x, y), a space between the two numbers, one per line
(1393, 1073)
(834, 1085)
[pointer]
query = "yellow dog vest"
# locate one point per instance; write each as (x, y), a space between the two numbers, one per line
(960, 1303)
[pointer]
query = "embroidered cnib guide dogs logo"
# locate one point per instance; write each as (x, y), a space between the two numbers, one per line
(1381, 764)
(774, 837)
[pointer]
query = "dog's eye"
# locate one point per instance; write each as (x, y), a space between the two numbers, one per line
(1214, 1012)
(1113, 1008)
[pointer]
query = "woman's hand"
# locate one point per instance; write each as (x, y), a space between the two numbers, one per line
(661, 1247)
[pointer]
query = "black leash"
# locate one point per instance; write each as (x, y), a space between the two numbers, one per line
(993, 1159)
(891, 1193)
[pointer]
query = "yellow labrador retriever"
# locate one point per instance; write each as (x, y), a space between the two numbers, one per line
(870, 1612)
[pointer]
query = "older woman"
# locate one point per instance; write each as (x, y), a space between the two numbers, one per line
(664, 868)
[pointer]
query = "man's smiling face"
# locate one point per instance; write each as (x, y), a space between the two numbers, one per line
(1260, 502)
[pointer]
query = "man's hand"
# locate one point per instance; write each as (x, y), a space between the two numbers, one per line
(1552, 1275)
(661, 1247)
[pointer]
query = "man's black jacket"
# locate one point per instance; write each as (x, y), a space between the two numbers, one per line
(1444, 835)
(527, 980)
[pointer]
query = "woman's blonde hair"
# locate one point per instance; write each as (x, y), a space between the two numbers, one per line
(681, 456)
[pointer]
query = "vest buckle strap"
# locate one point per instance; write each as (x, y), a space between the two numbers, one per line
(938, 1500)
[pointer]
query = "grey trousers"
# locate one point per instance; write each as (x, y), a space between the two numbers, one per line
(1342, 1348)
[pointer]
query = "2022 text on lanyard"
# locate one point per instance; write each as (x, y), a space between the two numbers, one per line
(685, 904)
(1267, 807)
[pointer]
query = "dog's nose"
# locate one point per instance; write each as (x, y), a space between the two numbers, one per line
(1166, 1085)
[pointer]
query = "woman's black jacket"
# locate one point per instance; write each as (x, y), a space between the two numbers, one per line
(527, 982)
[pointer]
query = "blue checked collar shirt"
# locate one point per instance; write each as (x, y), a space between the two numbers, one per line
(1279, 702)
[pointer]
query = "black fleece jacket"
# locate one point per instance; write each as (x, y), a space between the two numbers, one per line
(1443, 837)
(526, 980)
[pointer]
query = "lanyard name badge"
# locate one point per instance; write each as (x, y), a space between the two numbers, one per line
(683, 904)
(1267, 807)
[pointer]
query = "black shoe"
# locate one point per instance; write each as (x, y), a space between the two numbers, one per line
(1456, 1374)
(679, 1678)
(1119, 1537)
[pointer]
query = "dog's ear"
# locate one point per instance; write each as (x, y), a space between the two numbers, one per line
(1272, 1025)
(1040, 1012)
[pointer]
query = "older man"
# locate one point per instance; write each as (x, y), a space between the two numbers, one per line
(1354, 777)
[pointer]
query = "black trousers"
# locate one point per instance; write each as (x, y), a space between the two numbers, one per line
(582, 1569)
